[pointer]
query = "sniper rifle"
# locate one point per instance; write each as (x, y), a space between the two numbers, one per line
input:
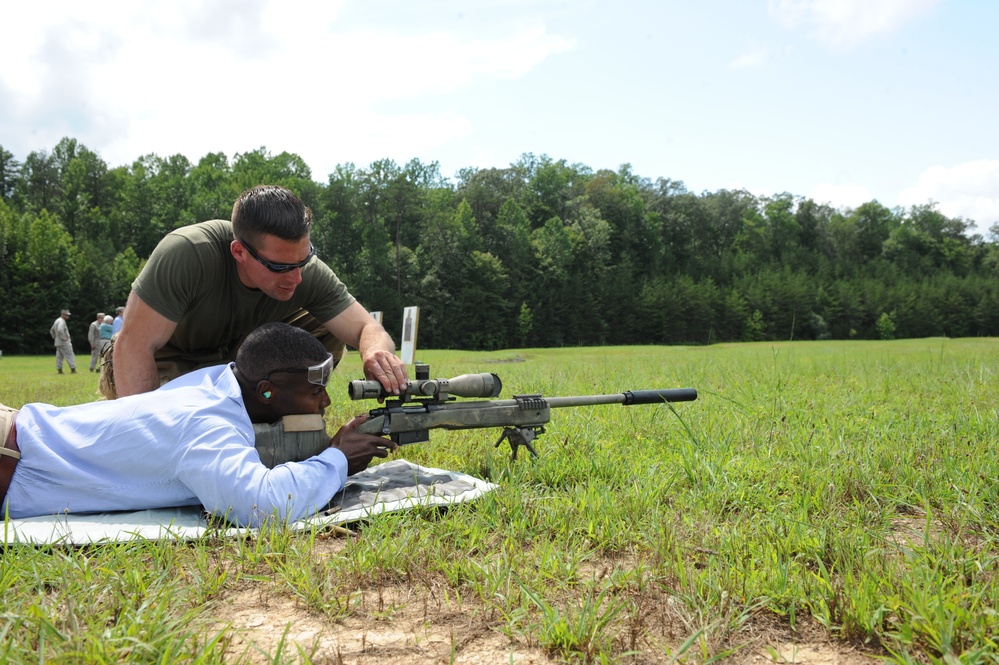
(428, 404)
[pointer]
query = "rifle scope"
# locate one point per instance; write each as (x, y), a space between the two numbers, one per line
(466, 385)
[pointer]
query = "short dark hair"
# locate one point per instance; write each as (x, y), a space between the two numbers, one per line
(270, 209)
(275, 346)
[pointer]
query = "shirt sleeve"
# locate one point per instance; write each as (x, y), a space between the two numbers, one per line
(172, 278)
(223, 469)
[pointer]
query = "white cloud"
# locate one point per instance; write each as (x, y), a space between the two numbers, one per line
(846, 195)
(748, 60)
(128, 79)
(844, 23)
(969, 190)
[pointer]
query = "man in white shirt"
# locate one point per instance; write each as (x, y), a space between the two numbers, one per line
(191, 442)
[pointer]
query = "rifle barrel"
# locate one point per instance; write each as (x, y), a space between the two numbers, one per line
(627, 398)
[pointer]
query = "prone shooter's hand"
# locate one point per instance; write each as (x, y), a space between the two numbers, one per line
(359, 448)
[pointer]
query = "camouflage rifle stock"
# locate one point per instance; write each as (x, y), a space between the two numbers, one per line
(431, 404)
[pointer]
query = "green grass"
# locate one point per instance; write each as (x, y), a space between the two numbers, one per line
(846, 484)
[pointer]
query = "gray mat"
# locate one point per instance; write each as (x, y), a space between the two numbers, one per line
(392, 486)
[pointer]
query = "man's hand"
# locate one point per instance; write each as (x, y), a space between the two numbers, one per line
(355, 326)
(359, 448)
(387, 369)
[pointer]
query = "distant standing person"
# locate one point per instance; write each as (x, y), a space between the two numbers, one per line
(106, 332)
(119, 318)
(94, 337)
(63, 342)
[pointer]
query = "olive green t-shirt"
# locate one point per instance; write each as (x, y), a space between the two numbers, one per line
(191, 279)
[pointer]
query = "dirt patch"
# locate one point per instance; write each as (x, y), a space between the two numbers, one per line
(264, 627)
(401, 624)
(908, 533)
(407, 630)
(812, 654)
(511, 359)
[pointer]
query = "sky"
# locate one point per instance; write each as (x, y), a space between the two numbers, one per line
(841, 101)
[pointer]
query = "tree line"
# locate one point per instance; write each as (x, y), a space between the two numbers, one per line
(541, 253)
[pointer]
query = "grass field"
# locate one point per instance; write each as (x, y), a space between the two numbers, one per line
(819, 502)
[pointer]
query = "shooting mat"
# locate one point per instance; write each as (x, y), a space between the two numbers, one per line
(392, 486)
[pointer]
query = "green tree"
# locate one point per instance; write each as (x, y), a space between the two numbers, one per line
(487, 191)
(551, 185)
(509, 241)
(171, 190)
(9, 174)
(445, 264)
(337, 227)
(259, 167)
(8, 329)
(86, 201)
(718, 227)
(886, 325)
(213, 191)
(676, 215)
(135, 222)
(874, 225)
(568, 293)
(42, 281)
(553, 250)
(39, 187)
(123, 270)
(479, 316)
(618, 199)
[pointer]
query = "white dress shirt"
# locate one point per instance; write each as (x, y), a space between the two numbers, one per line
(188, 443)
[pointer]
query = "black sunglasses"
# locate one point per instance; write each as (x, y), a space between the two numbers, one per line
(280, 267)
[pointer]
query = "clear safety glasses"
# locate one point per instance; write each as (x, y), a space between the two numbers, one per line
(316, 374)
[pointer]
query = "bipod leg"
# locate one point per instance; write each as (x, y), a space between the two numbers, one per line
(520, 436)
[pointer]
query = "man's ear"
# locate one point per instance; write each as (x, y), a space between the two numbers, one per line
(264, 391)
(237, 250)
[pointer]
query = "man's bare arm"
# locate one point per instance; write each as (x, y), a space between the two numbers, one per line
(143, 332)
(354, 326)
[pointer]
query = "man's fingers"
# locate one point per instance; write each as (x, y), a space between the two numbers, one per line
(383, 446)
(399, 371)
(395, 372)
(388, 370)
(388, 379)
(356, 421)
(374, 370)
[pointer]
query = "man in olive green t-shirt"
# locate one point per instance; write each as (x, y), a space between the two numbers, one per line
(207, 285)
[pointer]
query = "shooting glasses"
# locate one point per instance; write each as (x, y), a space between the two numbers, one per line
(280, 267)
(317, 374)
